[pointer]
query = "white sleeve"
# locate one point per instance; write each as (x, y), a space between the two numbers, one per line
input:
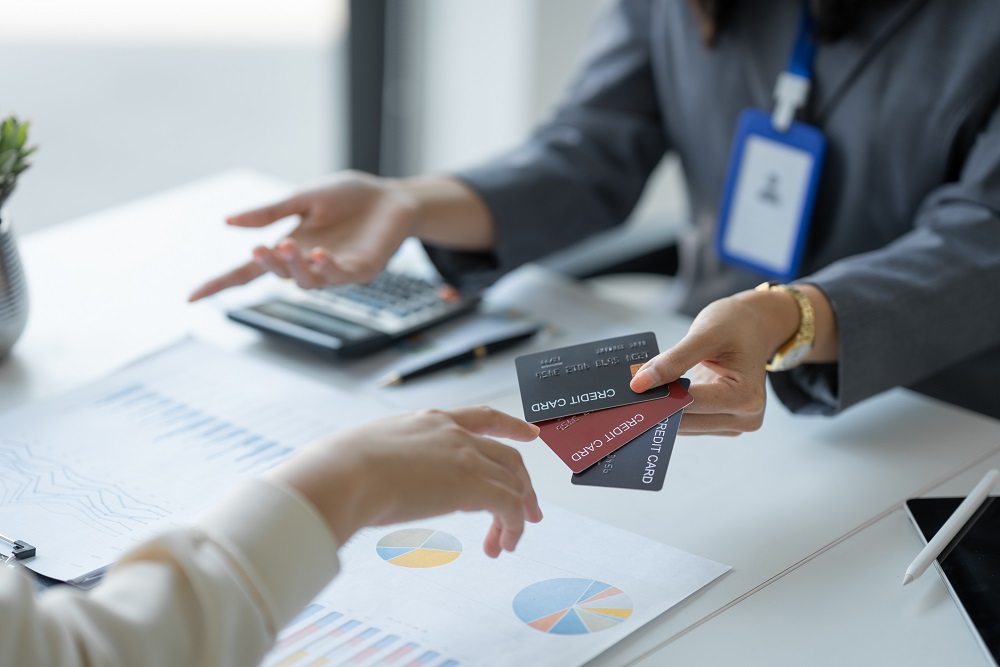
(214, 594)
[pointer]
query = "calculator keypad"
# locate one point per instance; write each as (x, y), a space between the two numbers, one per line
(390, 303)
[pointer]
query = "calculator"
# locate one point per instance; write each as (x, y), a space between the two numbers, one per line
(355, 320)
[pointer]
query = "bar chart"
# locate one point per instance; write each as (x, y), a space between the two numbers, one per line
(175, 421)
(330, 638)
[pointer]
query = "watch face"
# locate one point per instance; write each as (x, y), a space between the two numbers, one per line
(795, 356)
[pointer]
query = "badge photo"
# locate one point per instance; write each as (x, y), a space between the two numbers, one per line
(769, 195)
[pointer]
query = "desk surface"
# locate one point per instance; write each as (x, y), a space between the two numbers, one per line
(806, 510)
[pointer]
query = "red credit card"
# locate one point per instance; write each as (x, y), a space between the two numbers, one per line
(583, 440)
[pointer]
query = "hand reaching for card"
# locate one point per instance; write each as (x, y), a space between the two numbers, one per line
(420, 465)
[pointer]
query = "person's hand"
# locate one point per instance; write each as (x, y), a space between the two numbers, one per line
(420, 465)
(726, 351)
(350, 225)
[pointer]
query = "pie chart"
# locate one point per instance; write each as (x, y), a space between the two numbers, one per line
(572, 606)
(419, 547)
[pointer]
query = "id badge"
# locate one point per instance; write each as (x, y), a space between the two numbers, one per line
(770, 190)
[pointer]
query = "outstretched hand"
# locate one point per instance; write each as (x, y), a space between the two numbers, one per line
(725, 354)
(420, 465)
(350, 225)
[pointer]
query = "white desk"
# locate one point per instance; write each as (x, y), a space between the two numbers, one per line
(776, 504)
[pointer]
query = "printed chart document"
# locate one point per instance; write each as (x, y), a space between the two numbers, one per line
(87, 475)
(424, 594)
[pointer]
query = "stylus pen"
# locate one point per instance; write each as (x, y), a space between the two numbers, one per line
(951, 527)
(474, 352)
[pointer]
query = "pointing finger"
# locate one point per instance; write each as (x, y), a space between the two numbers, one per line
(238, 276)
(487, 421)
(265, 215)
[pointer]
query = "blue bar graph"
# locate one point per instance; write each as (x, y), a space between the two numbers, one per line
(176, 421)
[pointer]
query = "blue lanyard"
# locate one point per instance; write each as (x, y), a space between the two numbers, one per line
(792, 89)
(804, 50)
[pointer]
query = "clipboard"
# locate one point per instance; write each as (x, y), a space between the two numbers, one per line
(970, 565)
(17, 549)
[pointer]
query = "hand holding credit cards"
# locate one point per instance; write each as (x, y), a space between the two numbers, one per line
(579, 396)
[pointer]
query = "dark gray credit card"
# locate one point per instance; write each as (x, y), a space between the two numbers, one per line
(586, 377)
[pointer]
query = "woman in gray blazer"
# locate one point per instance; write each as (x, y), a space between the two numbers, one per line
(901, 266)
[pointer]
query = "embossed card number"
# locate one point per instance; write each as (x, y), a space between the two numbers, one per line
(584, 378)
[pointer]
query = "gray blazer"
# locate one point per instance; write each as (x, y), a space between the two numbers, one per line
(905, 239)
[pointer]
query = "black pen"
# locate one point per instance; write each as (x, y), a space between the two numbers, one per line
(449, 358)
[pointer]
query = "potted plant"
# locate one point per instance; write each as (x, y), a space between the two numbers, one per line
(14, 152)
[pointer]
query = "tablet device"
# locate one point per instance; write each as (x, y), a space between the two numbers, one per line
(971, 563)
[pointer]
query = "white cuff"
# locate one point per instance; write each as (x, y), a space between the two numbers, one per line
(280, 541)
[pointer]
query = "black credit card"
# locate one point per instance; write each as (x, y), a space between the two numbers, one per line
(586, 377)
(642, 463)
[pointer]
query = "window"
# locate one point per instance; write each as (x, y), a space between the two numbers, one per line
(128, 98)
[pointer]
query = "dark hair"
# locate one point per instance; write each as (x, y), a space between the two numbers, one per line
(834, 18)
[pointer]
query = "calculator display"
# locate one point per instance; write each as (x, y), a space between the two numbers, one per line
(310, 319)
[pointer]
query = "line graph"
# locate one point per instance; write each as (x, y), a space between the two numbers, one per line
(88, 474)
(30, 480)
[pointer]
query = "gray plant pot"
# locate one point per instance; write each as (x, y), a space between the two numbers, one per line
(13, 290)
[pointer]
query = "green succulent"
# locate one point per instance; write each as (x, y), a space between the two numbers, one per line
(14, 153)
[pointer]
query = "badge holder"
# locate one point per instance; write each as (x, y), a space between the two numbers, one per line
(773, 175)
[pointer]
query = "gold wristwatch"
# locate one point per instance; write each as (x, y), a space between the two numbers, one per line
(800, 345)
